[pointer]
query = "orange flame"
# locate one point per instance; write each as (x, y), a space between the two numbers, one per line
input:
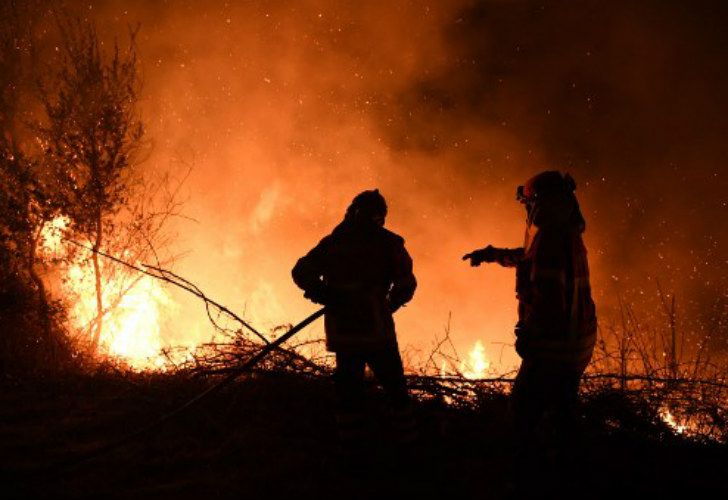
(474, 368)
(667, 417)
(477, 364)
(51, 237)
(135, 304)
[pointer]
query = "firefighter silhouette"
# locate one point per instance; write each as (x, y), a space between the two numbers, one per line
(556, 329)
(362, 273)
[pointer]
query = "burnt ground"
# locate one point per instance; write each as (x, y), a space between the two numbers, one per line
(272, 435)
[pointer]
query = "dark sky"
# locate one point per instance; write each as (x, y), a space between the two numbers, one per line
(629, 96)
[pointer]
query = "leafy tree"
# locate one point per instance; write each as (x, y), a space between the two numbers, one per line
(93, 136)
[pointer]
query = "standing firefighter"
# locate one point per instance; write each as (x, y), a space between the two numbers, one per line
(556, 330)
(362, 273)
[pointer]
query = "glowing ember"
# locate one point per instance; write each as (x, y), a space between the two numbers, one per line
(667, 417)
(51, 238)
(131, 322)
(477, 364)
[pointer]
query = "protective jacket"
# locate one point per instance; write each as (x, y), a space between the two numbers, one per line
(557, 317)
(362, 273)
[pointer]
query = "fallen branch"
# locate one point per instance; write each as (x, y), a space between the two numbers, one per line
(180, 282)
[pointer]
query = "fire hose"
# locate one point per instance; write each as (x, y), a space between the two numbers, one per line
(231, 377)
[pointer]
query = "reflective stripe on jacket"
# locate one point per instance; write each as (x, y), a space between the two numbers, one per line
(557, 317)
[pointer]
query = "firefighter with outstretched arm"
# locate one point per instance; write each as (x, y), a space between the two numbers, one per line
(556, 329)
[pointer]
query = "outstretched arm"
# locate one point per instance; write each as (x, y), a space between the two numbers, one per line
(506, 257)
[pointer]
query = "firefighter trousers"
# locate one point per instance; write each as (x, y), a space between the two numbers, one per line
(386, 364)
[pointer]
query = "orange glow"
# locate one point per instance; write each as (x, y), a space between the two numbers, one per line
(477, 364)
(51, 238)
(667, 417)
(282, 139)
(135, 305)
(286, 110)
(475, 367)
(132, 328)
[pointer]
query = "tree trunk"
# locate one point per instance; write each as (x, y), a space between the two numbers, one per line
(673, 344)
(97, 274)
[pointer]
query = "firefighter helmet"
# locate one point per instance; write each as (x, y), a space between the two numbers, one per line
(544, 184)
(550, 200)
(368, 206)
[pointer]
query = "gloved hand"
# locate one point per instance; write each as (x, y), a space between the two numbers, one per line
(393, 307)
(319, 295)
(477, 257)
